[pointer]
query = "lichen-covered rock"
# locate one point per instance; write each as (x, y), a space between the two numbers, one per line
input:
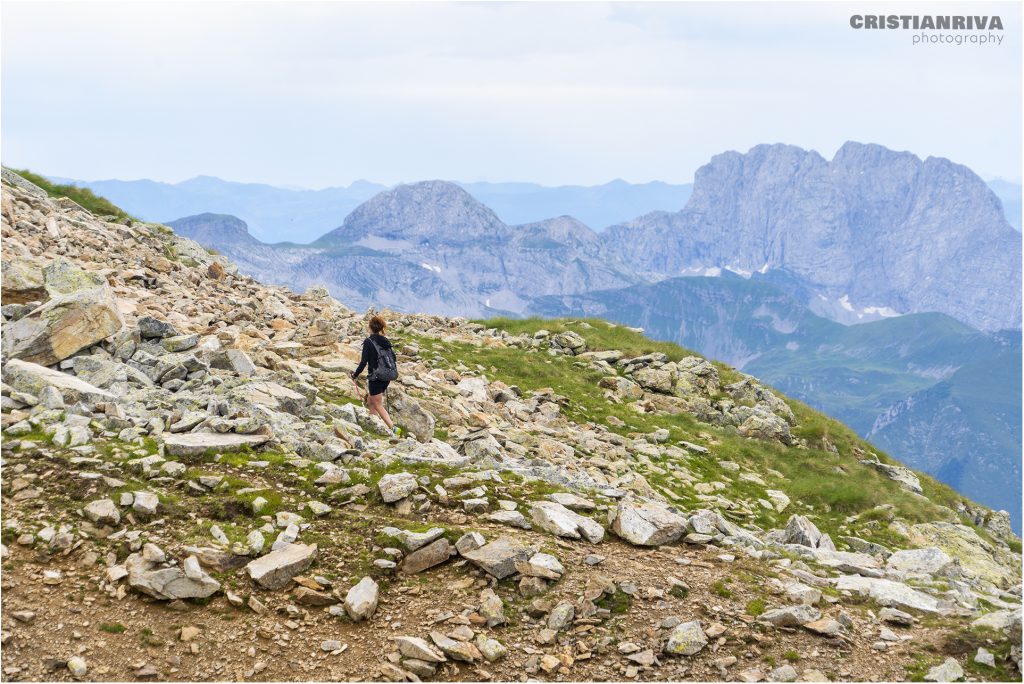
(686, 639)
(62, 326)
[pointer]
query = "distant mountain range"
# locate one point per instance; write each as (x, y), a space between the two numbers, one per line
(275, 214)
(765, 264)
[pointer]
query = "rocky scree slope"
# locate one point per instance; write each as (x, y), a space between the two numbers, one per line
(190, 491)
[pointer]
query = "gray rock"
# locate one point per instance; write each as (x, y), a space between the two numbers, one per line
(456, 650)
(102, 512)
(471, 541)
(948, 671)
(361, 600)
(896, 617)
(561, 617)
(498, 558)
(800, 530)
(562, 522)
(396, 486)
(62, 326)
(928, 561)
(433, 554)
(687, 639)
(275, 570)
(146, 503)
(646, 524)
(168, 583)
(889, 593)
(234, 360)
(418, 649)
(77, 666)
(785, 673)
(510, 518)
(32, 378)
(198, 443)
(150, 328)
(412, 541)
(984, 657)
(408, 413)
(791, 616)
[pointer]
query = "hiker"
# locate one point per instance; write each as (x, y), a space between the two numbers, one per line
(379, 356)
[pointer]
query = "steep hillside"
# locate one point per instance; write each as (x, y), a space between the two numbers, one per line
(192, 491)
(865, 375)
(872, 229)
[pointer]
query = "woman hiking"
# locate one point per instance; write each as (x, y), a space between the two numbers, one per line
(379, 356)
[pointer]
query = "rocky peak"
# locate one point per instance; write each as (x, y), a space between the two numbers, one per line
(214, 230)
(881, 228)
(420, 213)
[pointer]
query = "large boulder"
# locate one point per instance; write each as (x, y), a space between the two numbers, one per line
(926, 561)
(64, 325)
(560, 521)
(646, 523)
(977, 557)
(889, 593)
(763, 424)
(905, 477)
(499, 557)
(800, 530)
(32, 378)
(408, 413)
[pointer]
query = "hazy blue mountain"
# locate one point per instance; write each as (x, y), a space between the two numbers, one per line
(278, 214)
(935, 393)
(273, 214)
(597, 206)
(429, 247)
(872, 231)
(1009, 195)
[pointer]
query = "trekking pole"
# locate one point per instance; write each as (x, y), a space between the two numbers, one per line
(359, 392)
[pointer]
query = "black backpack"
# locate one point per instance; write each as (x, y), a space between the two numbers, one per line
(387, 365)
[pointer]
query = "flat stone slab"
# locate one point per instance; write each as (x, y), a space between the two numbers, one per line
(198, 443)
(276, 569)
(31, 378)
(889, 593)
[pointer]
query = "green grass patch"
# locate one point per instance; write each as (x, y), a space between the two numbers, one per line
(755, 607)
(112, 628)
(722, 590)
(98, 206)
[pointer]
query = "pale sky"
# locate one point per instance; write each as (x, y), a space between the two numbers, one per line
(319, 94)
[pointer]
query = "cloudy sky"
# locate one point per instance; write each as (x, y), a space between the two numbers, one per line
(318, 94)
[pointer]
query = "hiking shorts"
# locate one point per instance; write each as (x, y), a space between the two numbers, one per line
(378, 387)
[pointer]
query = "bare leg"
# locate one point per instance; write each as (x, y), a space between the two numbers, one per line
(377, 406)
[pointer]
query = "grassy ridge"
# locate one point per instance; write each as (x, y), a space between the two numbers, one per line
(846, 497)
(98, 206)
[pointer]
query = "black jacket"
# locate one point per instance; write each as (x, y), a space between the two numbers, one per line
(369, 357)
